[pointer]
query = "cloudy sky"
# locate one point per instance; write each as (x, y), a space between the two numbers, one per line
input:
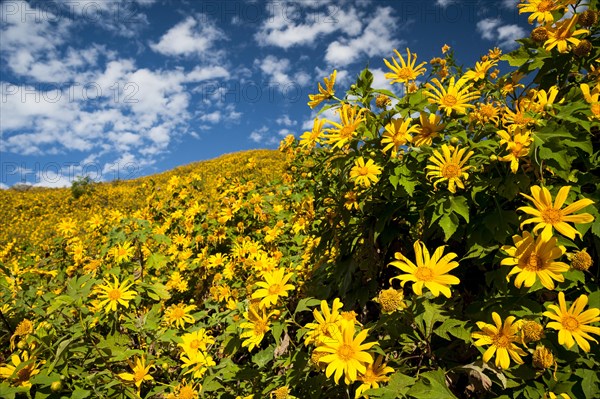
(126, 88)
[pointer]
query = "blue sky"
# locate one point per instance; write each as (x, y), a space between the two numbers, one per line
(122, 89)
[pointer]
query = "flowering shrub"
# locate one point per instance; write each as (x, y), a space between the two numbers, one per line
(437, 243)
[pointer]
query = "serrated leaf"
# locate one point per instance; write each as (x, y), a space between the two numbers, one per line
(449, 223)
(306, 304)
(453, 327)
(431, 385)
(459, 205)
(262, 358)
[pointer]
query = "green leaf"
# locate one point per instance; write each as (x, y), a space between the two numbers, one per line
(589, 382)
(449, 223)
(80, 393)
(431, 385)
(428, 317)
(455, 328)
(263, 357)
(306, 304)
(59, 350)
(459, 205)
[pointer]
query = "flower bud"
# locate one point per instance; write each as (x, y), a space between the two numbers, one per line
(542, 358)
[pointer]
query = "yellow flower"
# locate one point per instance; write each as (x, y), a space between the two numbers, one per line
(197, 363)
(122, 252)
(430, 271)
(20, 371)
(281, 393)
(449, 166)
(517, 144)
(140, 372)
(445, 48)
(24, 328)
(363, 173)
(486, 113)
(257, 325)
(572, 324)
(563, 34)
(454, 98)
(552, 395)
(548, 216)
(196, 340)
(541, 10)
(535, 259)
(309, 139)
(375, 374)
(351, 118)
(178, 315)
(391, 300)
(114, 294)
(502, 338)
(346, 354)
(545, 100)
(592, 98)
(324, 94)
(327, 322)
(274, 286)
(428, 130)
(185, 391)
(581, 260)
(397, 133)
(542, 358)
(405, 73)
(481, 69)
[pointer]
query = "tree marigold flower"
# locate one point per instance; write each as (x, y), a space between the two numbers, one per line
(580, 260)
(324, 93)
(531, 331)
(346, 354)
(549, 216)
(140, 372)
(501, 337)
(430, 271)
(274, 286)
(562, 36)
(541, 10)
(397, 133)
(391, 300)
(573, 324)
(375, 374)
(351, 118)
(449, 165)
(114, 294)
(535, 259)
(178, 314)
(364, 174)
(542, 358)
(407, 72)
(454, 98)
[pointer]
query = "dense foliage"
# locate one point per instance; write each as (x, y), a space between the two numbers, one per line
(441, 243)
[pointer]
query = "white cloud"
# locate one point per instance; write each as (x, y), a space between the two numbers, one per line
(444, 3)
(285, 121)
(279, 72)
(376, 40)
(213, 117)
(503, 35)
(259, 135)
(291, 24)
(3, 186)
(190, 37)
(510, 4)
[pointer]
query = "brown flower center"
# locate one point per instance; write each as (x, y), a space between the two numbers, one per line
(274, 289)
(570, 323)
(259, 328)
(405, 73)
(544, 6)
(345, 352)
(347, 131)
(177, 313)
(449, 100)
(363, 171)
(534, 263)
(424, 274)
(114, 294)
(501, 341)
(451, 170)
(551, 215)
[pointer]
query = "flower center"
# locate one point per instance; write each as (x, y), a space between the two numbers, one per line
(326, 328)
(345, 352)
(24, 374)
(534, 263)
(487, 110)
(274, 289)
(544, 6)
(551, 215)
(114, 295)
(369, 377)
(405, 73)
(195, 344)
(570, 323)
(177, 313)
(139, 374)
(424, 274)
(450, 170)
(259, 328)
(501, 341)
(347, 131)
(426, 130)
(186, 392)
(449, 100)
(363, 171)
